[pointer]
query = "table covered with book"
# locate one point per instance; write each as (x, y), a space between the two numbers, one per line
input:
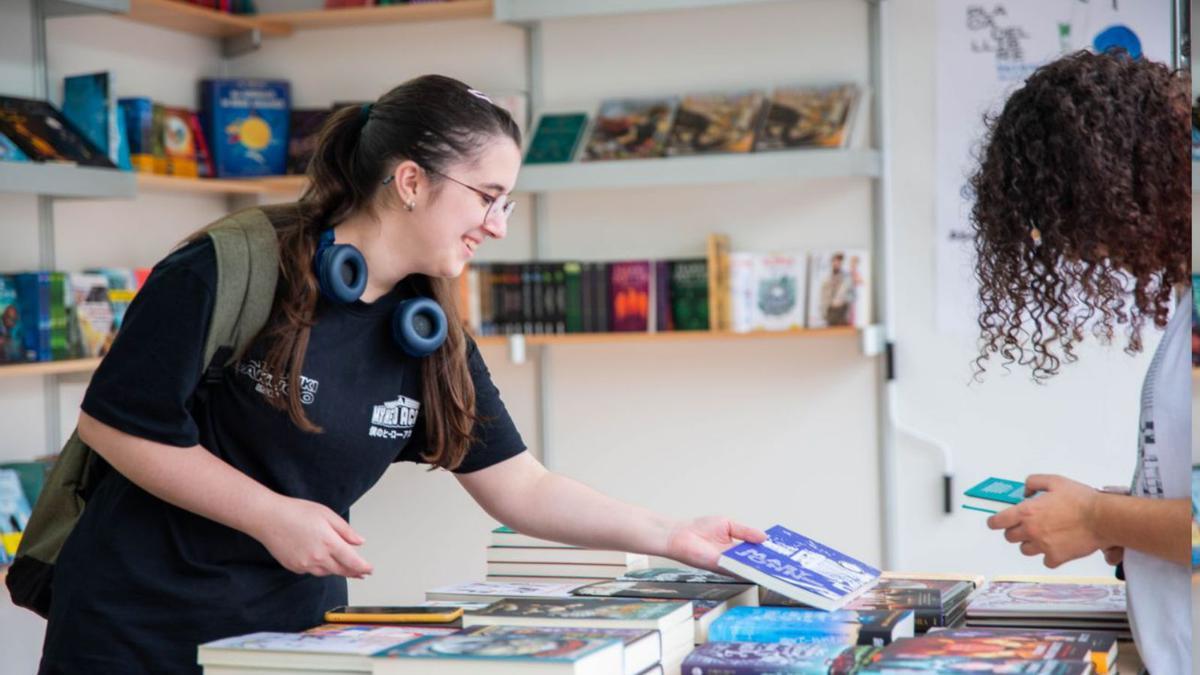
(814, 611)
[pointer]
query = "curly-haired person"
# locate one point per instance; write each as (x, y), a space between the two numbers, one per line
(1082, 219)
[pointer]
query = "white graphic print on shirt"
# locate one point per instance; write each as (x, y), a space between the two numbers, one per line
(394, 419)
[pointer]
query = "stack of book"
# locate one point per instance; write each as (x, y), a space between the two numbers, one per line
(1048, 602)
(324, 649)
(515, 557)
(937, 601)
(709, 600)
(671, 620)
(1000, 650)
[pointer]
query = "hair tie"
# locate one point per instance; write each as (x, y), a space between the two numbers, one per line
(364, 114)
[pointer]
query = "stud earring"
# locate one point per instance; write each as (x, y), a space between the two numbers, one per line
(410, 205)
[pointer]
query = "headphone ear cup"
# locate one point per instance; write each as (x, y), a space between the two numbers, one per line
(342, 273)
(419, 327)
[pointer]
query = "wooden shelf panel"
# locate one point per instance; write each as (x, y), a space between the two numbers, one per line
(158, 183)
(196, 20)
(186, 18)
(371, 16)
(49, 368)
(524, 11)
(673, 336)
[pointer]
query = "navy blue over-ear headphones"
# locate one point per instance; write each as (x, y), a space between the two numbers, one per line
(418, 324)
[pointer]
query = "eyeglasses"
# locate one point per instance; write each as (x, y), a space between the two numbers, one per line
(495, 206)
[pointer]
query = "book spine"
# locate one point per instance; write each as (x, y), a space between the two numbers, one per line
(587, 297)
(603, 298)
(662, 297)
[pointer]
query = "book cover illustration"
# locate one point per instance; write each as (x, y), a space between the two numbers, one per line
(625, 635)
(779, 291)
(951, 665)
(629, 286)
(93, 312)
(556, 138)
(10, 152)
(88, 104)
(631, 129)
(580, 608)
(784, 624)
(44, 134)
(993, 495)
(967, 643)
(711, 123)
(688, 289)
(179, 143)
(12, 342)
(536, 646)
(246, 123)
(662, 589)
(687, 575)
(1000, 598)
(800, 117)
(839, 291)
(762, 657)
(801, 568)
(329, 639)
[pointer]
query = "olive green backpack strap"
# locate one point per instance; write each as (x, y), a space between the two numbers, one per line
(247, 253)
(247, 271)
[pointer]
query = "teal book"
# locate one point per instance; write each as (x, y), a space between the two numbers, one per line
(556, 138)
(794, 624)
(994, 495)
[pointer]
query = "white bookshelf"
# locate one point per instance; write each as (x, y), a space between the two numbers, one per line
(66, 180)
(529, 11)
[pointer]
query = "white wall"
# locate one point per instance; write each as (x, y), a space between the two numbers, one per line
(764, 431)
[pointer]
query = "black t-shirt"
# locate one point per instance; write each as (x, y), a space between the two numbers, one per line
(140, 583)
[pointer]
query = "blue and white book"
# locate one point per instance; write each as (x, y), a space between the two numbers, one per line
(804, 570)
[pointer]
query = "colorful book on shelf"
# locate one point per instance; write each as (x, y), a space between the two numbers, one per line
(556, 138)
(839, 288)
(629, 288)
(179, 143)
(11, 152)
(808, 117)
(44, 134)
(687, 287)
(779, 280)
(762, 658)
(714, 123)
(631, 128)
(138, 113)
(13, 348)
(342, 647)
(246, 124)
(93, 313)
(993, 495)
(720, 312)
(800, 568)
(795, 624)
(502, 653)
(89, 103)
(14, 511)
(743, 292)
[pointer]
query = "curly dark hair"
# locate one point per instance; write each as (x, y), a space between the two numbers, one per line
(1082, 214)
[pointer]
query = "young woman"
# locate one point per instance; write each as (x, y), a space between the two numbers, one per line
(227, 513)
(1082, 220)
